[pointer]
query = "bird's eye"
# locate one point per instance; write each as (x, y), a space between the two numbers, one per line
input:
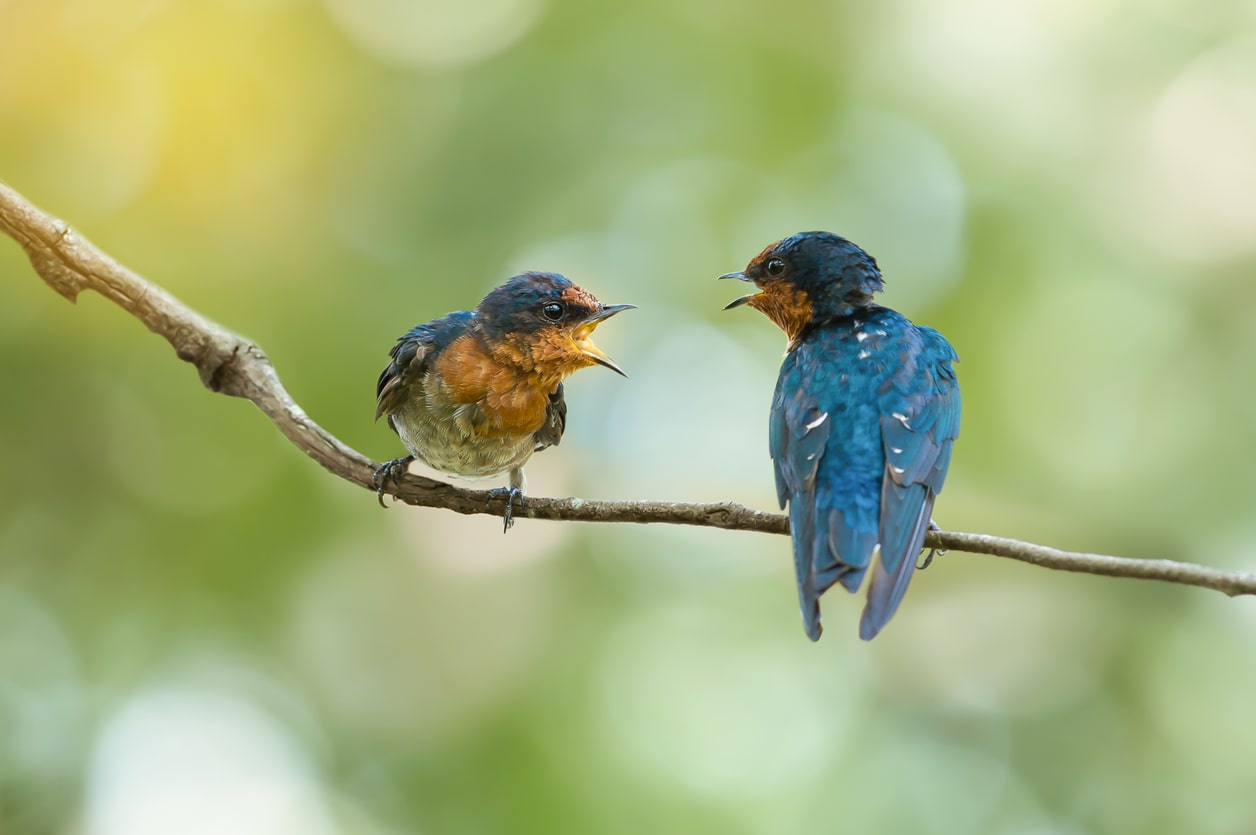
(553, 311)
(775, 267)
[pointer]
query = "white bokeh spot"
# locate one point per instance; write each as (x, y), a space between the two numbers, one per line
(198, 762)
(437, 34)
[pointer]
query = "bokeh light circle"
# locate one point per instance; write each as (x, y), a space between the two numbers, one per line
(437, 34)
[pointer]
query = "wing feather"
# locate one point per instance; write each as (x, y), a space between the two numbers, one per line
(919, 426)
(551, 432)
(860, 452)
(798, 433)
(411, 356)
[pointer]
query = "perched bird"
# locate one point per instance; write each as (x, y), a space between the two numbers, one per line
(475, 393)
(864, 415)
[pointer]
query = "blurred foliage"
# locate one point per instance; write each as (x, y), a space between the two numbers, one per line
(203, 632)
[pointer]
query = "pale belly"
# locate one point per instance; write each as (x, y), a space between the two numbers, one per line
(434, 437)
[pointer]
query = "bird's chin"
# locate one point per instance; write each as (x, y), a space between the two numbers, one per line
(595, 355)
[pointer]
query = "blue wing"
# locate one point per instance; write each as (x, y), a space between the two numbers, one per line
(920, 412)
(824, 438)
(860, 433)
(410, 356)
(797, 435)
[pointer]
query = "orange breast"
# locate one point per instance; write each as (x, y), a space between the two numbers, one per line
(509, 401)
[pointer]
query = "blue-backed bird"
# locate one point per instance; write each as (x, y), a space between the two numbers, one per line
(476, 393)
(865, 413)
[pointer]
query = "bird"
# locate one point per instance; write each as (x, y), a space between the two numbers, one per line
(476, 392)
(863, 419)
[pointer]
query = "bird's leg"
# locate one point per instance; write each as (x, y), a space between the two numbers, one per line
(512, 493)
(933, 526)
(389, 472)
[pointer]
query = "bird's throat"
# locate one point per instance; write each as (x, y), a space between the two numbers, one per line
(787, 307)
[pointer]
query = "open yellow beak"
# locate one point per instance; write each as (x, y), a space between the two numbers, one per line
(583, 333)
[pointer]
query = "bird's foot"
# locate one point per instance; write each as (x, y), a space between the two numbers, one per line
(938, 552)
(388, 473)
(512, 495)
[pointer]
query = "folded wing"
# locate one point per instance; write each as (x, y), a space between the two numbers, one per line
(411, 357)
(919, 424)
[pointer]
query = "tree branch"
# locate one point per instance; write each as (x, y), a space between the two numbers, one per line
(230, 364)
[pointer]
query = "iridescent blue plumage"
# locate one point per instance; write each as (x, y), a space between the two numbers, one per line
(863, 419)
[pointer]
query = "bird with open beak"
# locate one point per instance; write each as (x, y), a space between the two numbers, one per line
(476, 393)
(865, 413)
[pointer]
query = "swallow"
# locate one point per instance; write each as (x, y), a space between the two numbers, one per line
(477, 392)
(863, 419)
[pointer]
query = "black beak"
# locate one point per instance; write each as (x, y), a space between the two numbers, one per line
(741, 276)
(607, 312)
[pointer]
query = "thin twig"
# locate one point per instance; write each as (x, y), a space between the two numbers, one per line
(230, 364)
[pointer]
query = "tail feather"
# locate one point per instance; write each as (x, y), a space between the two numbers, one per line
(844, 555)
(905, 512)
(802, 529)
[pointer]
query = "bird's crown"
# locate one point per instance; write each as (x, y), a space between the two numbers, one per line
(836, 275)
(533, 301)
(544, 321)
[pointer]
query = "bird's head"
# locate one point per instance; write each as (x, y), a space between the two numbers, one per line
(809, 277)
(542, 323)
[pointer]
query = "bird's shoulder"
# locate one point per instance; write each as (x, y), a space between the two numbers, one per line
(921, 367)
(842, 363)
(878, 347)
(920, 411)
(861, 381)
(938, 350)
(413, 354)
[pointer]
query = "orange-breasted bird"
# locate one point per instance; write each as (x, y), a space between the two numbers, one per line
(863, 420)
(476, 393)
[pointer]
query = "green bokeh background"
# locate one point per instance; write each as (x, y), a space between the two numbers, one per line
(201, 631)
